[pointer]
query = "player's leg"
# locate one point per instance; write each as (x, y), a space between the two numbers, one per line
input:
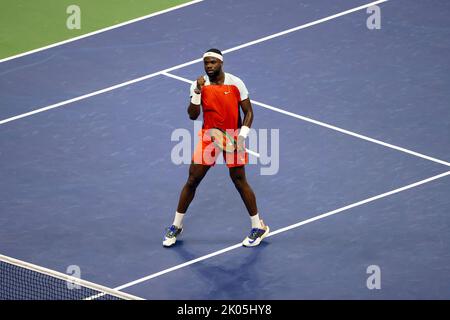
(196, 174)
(237, 175)
(259, 230)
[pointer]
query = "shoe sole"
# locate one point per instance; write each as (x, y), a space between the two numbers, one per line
(170, 244)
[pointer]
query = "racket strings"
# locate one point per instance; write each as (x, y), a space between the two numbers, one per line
(222, 140)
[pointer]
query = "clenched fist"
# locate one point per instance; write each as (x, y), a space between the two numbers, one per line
(200, 83)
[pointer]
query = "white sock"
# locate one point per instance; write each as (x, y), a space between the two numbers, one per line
(256, 221)
(178, 220)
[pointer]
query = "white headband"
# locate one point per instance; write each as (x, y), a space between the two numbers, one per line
(213, 55)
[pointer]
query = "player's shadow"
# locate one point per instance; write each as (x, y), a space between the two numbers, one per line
(234, 278)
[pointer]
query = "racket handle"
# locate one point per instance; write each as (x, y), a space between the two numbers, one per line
(253, 153)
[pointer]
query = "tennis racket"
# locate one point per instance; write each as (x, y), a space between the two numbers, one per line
(225, 141)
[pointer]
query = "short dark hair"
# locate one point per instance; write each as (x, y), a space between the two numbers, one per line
(215, 51)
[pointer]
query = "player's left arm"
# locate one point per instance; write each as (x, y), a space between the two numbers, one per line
(247, 109)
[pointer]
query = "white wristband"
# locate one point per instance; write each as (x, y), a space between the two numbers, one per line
(196, 99)
(244, 131)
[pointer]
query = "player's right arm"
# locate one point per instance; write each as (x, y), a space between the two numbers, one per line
(194, 104)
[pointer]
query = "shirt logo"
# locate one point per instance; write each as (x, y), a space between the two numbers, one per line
(227, 92)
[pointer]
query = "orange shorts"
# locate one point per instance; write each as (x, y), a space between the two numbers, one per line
(206, 153)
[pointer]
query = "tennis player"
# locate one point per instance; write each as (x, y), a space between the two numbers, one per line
(219, 95)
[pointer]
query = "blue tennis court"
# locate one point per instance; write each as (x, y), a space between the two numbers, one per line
(362, 175)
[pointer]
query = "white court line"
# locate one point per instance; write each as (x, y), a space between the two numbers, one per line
(356, 135)
(176, 77)
(304, 26)
(123, 84)
(326, 125)
(85, 96)
(100, 31)
(290, 227)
